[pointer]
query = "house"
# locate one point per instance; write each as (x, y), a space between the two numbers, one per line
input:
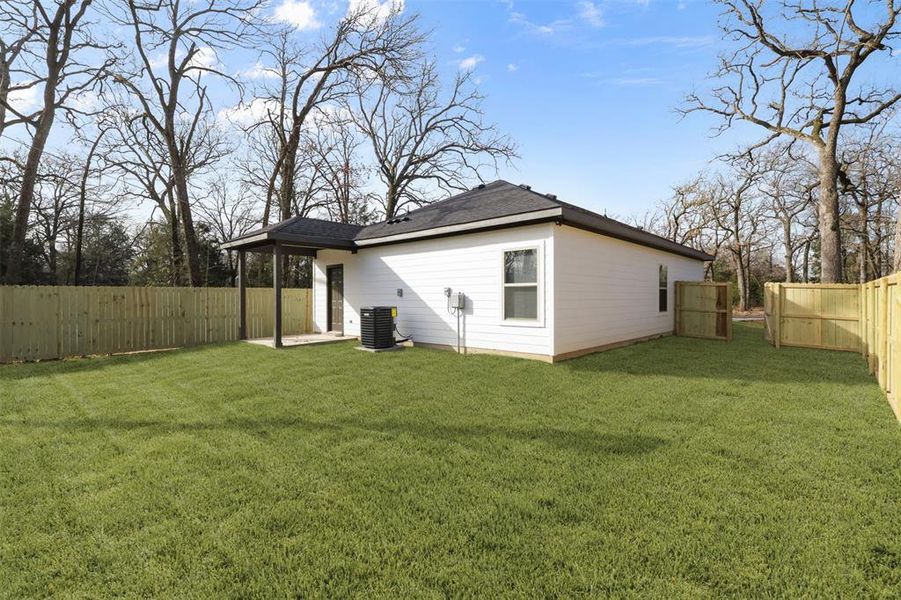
(542, 278)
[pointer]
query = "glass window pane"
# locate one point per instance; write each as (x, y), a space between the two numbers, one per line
(662, 301)
(663, 276)
(521, 266)
(521, 302)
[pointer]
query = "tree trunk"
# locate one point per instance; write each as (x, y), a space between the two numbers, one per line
(789, 252)
(864, 250)
(806, 271)
(175, 264)
(740, 278)
(192, 251)
(896, 262)
(26, 193)
(391, 201)
(82, 198)
(828, 216)
(286, 190)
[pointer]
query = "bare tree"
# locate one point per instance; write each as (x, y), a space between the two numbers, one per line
(871, 163)
(65, 67)
(362, 45)
(18, 25)
(736, 212)
(804, 90)
(86, 172)
(227, 211)
(335, 147)
(896, 260)
(788, 183)
(171, 89)
(422, 140)
(55, 204)
(685, 215)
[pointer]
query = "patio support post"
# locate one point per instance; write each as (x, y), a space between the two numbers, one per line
(242, 295)
(277, 289)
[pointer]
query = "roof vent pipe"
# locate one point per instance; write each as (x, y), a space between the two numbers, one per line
(525, 187)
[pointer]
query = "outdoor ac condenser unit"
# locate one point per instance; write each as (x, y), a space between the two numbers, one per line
(377, 326)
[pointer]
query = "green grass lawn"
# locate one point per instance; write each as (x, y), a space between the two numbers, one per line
(678, 467)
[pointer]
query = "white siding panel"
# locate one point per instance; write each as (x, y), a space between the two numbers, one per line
(471, 264)
(606, 289)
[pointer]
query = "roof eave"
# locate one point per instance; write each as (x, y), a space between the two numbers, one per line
(600, 225)
(517, 220)
(306, 241)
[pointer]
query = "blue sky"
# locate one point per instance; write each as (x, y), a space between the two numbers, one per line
(589, 90)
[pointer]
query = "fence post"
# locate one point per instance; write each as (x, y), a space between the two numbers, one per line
(777, 317)
(728, 312)
(882, 325)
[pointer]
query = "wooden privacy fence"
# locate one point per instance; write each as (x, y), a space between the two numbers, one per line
(863, 318)
(46, 322)
(813, 315)
(703, 310)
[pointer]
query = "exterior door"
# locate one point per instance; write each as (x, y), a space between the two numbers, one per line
(335, 300)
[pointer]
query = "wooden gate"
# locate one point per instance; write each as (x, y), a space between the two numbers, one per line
(704, 310)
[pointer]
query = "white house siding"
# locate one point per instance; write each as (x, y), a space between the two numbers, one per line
(471, 264)
(606, 290)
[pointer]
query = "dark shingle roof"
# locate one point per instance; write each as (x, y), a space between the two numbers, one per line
(315, 232)
(504, 199)
(494, 200)
(318, 228)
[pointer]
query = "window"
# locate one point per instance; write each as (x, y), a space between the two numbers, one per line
(662, 288)
(521, 284)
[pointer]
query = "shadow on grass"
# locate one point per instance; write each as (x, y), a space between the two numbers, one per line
(579, 440)
(66, 366)
(748, 358)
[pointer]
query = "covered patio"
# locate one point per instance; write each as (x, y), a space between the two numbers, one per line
(304, 339)
(298, 236)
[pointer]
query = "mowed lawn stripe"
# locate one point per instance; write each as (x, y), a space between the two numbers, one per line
(677, 467)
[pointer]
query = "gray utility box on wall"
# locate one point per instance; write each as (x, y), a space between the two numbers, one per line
(377, 326)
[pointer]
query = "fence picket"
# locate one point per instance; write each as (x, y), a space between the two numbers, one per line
(864, 318)
(703, 309)
(46, 322)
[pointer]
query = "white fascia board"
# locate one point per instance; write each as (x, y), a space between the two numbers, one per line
(464, 227)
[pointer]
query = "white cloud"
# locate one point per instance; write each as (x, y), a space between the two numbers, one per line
(298, 14)
(591, 13)
(260, 71)
(471, 62)
(205, 58)
(513, 67)
(23, 100)
(459, 48)
(249, 113)
(518, 18)
(86, 101)
(160, 60)
(377, 10)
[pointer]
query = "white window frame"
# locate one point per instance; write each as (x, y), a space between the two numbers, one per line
(539, 263)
